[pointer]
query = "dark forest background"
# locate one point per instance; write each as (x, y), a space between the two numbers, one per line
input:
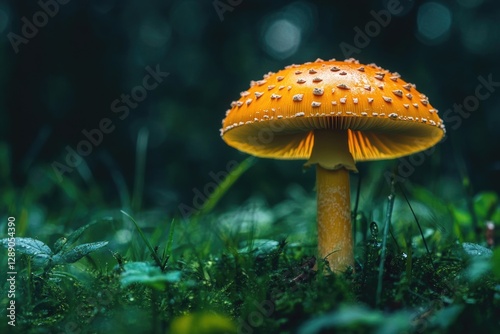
(64, 79)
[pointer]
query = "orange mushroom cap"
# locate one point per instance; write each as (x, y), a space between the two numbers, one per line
(385, 116)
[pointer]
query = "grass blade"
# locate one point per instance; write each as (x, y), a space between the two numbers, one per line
(224, 186)
(418, 223)
(146, 241)
(168, 250)
(354, 213)
(390, 206)
(140, 166)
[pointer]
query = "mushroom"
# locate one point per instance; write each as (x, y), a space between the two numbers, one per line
(332, 114)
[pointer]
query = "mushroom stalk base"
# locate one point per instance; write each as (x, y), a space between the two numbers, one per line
(334, 217)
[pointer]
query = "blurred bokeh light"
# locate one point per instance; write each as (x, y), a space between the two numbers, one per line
(433, 22)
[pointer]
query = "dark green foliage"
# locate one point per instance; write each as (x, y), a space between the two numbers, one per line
(253, 268)
(43, 257)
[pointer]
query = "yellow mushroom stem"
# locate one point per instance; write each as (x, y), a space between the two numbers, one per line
(333, 163)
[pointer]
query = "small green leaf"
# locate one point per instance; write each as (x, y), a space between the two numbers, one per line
(147, 274)
(73, 237)
(476, 250)
(260, 247)
(58, 245)
(485, 204)
(78, 252)
(29, 246)
(40, 252)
